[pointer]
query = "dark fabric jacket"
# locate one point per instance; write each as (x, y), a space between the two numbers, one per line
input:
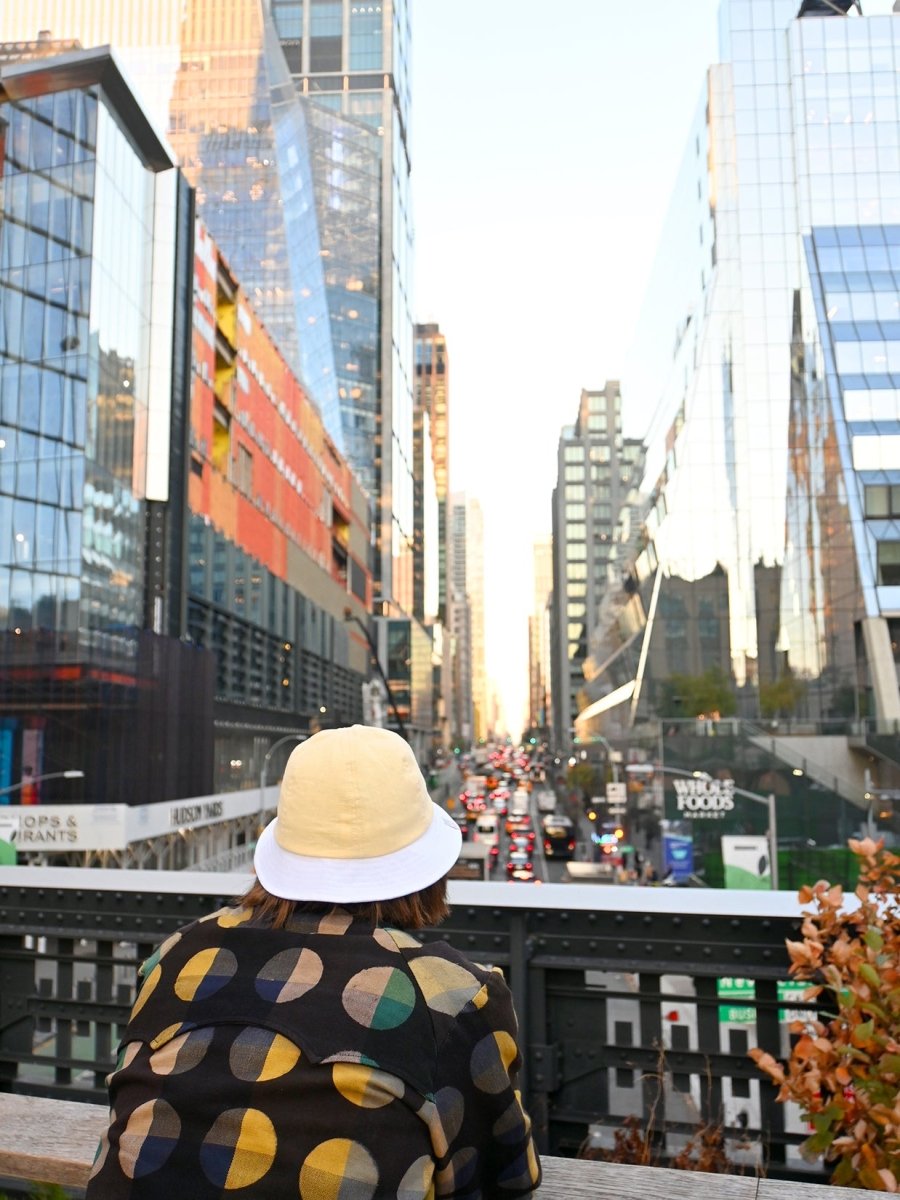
(331, 1060)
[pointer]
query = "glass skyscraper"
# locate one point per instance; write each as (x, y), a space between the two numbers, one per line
(773, 459)
(290, 119)
(596, 468)
(756, 629)
(213, 77)
(352, 57)
(94, 256)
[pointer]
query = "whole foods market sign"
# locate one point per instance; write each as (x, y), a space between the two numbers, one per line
(704, 798)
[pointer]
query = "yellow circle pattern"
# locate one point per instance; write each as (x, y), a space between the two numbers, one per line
(338, 1170)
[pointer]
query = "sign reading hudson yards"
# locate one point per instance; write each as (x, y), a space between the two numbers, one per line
(704, 798)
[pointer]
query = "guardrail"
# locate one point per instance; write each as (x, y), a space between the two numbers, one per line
(630, 999)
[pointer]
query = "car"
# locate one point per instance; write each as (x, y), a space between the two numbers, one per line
(519, 860)
(522, 841)
(523, 876)
(519, 823)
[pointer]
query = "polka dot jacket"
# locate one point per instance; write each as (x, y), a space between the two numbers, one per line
(329, 1060)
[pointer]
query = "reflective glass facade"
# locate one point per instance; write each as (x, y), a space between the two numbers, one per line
(353, 58)
(596, 469)
(89, 213)
(216, 81)
(766, 585)
(278, 535)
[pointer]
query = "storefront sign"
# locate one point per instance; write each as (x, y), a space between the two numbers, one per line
(704, 798)
(58, 828)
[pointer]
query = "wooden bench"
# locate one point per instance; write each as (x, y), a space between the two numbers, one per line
(53, 1141)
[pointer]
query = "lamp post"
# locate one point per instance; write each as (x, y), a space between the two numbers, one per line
(373, 654)
(769, 801)
(263, 771)
(32, 779)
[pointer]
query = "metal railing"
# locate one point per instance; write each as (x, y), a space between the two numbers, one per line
(629, 999)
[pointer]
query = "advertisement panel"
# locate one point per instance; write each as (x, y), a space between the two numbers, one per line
(678, 857)
(746, 862)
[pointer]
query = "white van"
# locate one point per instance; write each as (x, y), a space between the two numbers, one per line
(487, 832)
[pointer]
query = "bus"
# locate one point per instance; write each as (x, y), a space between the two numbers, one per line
(558, 836)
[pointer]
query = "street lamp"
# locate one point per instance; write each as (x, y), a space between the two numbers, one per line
(769, 802)
(32, 779)
(349, 616)
(263, 771)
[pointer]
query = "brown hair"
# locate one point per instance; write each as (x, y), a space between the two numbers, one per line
(416, 911)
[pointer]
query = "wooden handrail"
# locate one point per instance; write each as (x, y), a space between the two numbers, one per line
(54, 1141)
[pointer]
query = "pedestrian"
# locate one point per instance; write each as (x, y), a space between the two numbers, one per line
(305, 1042)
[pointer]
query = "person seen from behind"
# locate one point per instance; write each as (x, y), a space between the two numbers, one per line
(304, 1042)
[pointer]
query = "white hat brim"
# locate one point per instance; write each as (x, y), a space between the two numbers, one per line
(359, 880)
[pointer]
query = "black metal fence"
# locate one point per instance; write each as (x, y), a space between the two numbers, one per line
(630, 1000)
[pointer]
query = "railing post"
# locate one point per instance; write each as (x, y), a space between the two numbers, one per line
(16, 1024)
(769, 1034)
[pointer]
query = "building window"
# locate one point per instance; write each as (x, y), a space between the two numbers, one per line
(576, 551)
(574, 473)
(574, 491)
(573, 454)
(883, 500)
(574, 512)
(245, 471)
(365, 47)
(889, 564)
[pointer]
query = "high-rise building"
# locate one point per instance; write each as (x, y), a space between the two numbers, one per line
(212, 77)
(539, 638)
(353, 59)
(595, 467)
(290, 119)
(463, 724)
(183, 535)
(432, 395)
(432, 389)
(768, 582)
(475, 588)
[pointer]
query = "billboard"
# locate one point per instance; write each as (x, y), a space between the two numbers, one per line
(746, 862)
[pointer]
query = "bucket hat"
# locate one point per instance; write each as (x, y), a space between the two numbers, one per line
(355, 822)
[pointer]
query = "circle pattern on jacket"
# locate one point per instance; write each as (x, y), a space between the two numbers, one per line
(446, 986)
(258, 1055)
(205, 974)
(338, 1169)
(148, 987)
(379, 998)
(148, 1139)
(289, 975)
(239, 1149)
(181, 1053)
(416, 1182)
(490, 1062)
(366, 1087)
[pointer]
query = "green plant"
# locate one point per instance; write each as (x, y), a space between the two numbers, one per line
(706, 695)
(781, 697)
(844, 1067)
(582, 777)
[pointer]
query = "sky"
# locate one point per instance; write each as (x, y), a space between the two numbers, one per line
(546, 138)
